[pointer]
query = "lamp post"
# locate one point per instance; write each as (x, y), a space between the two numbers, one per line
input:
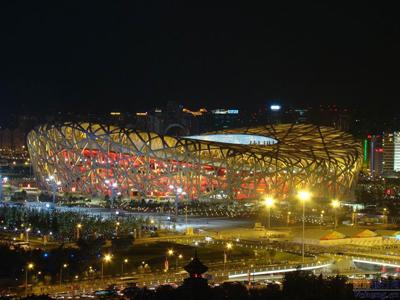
(2, 181)
(125, 261)
(335, 204)
(322, 218)
(288, 218)
(27, 234)
(269, 202)
(64, 266)
(54, 184)
(186, 216)
(113, 193)
(112, 186)
(1, 187)
(227, 247)
(385, 215)
(78, 230)
(180, 256)
(117, 227)
(106, 258)
(303, 196)
(28, 267)
(178, 191)
(171, 253)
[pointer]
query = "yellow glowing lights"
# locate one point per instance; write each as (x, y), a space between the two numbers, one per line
(229, 246)
(79, 225)
(30, 266)
(107, 257)
(269, 202)
(304, 195)
(170, 252)
(335, 203)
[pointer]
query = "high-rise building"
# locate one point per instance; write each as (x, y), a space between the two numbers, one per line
(373, 154)
(391, 153)
(224, 118)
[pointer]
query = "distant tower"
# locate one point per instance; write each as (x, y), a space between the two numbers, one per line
(195, 268)
(373, 154)
(195, 287)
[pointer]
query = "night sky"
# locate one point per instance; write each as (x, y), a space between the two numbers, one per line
(133, 55)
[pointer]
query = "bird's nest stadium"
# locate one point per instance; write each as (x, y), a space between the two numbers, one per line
(97, 159)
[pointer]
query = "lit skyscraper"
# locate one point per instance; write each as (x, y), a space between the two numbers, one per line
(391, 152)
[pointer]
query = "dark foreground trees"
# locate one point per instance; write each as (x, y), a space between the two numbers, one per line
(296, 286)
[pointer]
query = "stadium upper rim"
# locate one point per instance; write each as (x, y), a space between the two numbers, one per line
(317, 141)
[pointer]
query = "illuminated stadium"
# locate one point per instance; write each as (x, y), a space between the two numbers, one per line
(97, 160)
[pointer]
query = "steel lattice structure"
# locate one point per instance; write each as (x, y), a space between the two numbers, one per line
(99, 159)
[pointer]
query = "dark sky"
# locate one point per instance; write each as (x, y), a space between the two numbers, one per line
(132, 55)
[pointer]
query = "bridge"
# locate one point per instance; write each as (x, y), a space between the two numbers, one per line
(279, 270)
(375, 262)
(309, 267)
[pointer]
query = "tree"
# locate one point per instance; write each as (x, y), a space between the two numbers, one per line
(122, 242)
(234, 291)
(301, 285)
(271, 254)
(90, 246)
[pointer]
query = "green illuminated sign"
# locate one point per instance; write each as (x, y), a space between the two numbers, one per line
(365, 150)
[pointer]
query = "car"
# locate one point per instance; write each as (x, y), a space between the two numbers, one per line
(106, 294)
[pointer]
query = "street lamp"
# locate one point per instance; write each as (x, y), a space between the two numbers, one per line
(125, 261)
(178, 191)
(322, 218)
(180, 256)
(64, 266)
(303, 196)
(28, 267)
(171, 252)
(54, 184)
(385, 215)
(106, 259)
(117, 227)
(335, 204)
(269, 202)
(78, 230)
(112, 186)
(227, 247)
(288, 218)
(3, 180)
(27, 234)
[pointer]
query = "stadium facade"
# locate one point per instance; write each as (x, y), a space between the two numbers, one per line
(98, 159)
